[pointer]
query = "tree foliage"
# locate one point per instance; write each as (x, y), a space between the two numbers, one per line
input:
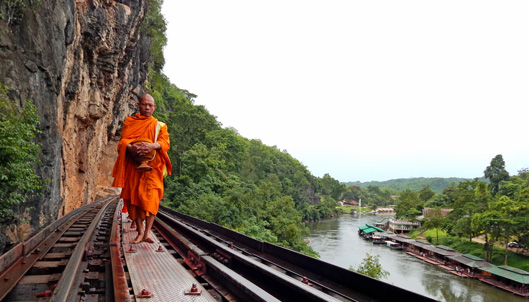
(153, 32)
(371, 267)
(372, 196)
(496, 173)
(436, 184)
(433, 220)
(18, 154)
(498, 211)
(409, 205)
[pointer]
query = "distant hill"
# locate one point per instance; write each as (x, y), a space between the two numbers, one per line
(437, 184)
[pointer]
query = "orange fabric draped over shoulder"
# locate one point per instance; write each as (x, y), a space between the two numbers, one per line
(141, 191)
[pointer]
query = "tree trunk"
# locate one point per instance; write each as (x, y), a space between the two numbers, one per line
(488, 249)
(506, 252)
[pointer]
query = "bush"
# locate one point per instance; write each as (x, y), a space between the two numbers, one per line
(18, 152)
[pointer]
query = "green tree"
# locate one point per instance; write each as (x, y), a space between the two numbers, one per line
(524, 174)
(331, 186)
(409, 206)
(496, 173)
(354, 193)
(426, 193)
(509, 210)
(469, 198)
(439, 201)
(371, 267)
(433, 220)
(153, 32)
(377, 197)
(18, 151)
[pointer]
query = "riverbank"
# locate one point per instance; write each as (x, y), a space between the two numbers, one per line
(337, 242)
(515, 257)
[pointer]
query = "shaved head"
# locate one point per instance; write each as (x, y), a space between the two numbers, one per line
(146, 105)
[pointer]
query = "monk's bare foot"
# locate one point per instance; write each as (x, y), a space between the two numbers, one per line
(148, 240)
(137, 239)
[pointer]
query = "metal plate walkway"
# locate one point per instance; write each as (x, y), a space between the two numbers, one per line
(157, 271)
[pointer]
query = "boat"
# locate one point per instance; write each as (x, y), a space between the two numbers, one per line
(378, 237)
(393, 245)
(366, 231)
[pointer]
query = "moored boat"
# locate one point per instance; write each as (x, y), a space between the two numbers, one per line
(393, 245)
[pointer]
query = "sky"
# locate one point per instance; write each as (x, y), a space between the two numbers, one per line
(362, 90)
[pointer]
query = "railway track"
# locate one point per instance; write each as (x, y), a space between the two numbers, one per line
(67, 261)
(81, 257)
(250, 269)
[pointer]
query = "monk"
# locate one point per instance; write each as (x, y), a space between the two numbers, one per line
(142, 191)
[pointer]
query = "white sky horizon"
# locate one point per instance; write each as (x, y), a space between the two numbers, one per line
(362, 90)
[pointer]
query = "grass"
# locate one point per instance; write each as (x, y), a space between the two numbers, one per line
(464, 246)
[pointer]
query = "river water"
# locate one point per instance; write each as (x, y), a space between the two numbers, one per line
(337, 242)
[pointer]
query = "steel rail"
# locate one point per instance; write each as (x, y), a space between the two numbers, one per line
(17, 262)
(258, 277)
(65, 286)
(288, 271)
(330, 279)
(119, 279)
(244, 289)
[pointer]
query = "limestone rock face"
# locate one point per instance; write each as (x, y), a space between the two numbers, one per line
(83, 64)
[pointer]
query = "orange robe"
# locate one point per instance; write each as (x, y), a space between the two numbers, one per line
(141, 191)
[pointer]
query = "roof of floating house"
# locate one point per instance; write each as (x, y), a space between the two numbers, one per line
(470, 260)
(368, 229)
(421, 244)
(400, 238)
(403, 222)
(509, 272)
(385, 210)
(440, 249)
(445, 251)
(380, 234)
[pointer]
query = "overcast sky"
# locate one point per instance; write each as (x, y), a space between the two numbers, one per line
(362, 90)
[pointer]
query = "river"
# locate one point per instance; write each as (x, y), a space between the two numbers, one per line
(337, 242)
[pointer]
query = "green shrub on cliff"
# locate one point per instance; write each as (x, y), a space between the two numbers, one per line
(153, 32)
(18, 154)
(11, 11)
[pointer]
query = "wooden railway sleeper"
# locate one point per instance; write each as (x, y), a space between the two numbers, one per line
(23, 257)
(77, 274)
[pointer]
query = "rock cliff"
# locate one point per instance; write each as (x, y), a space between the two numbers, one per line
(83, 63)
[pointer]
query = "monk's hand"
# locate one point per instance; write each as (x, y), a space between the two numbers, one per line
(133, 149)
(144, 148)
(149, 147)
(155, 146)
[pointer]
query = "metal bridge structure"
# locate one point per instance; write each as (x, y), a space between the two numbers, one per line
(87, 256)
